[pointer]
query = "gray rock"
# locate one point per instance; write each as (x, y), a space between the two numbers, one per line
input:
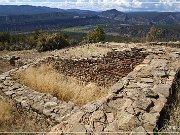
(1, 97)
(98, 116)
(160, 73)
(125, 80)
(147, 80)
(38, 98)
(90, 107)
(111, 127)
(172, 73)
(16, 86)
(117, 103)
(1, 86)
(7, 83)
(110, 117)
(139, 131)
(98, 126)
(38, 106)
(132, 93)
(145, 72)
(159, 104)
(163, 89)
(47, 112)
(149, 128)
(9, 93)
(116, 88)
(151, 118)
(24, 104)
(55, 116)
(31, 96)
(130, 110)
(19, 93)
(146, 61)
(133, 85)
(78, 129)
(2, 77)
(157, 63)
(126, 121)
(143, 103)
(8, 78)
(20, 99)
(151, 94)
(174, 55)
(50, 104)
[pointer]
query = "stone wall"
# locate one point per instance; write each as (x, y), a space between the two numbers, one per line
(171, 44)
(43, 108)
(134, 104)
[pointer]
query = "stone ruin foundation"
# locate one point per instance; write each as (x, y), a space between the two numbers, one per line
(137, 98)
(104, 71)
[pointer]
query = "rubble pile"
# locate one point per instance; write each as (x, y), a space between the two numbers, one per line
(103, 71)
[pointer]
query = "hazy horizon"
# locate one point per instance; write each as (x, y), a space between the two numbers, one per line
(101, 5)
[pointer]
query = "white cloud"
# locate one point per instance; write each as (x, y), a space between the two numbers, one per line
(125, 5)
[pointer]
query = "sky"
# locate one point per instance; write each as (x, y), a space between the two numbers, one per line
(100, 5)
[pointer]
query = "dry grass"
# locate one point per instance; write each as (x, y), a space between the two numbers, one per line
(85, 51)
(172, 124)
(5, 111)
(6, 116)
(45, 79)
(175, 115)
(11, 120)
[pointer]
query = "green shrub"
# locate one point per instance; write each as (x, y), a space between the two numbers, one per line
(5, 37)
(96, 35)
(47, 42)
(2, 46)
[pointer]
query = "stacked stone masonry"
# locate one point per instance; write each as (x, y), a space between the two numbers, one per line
(133, 104)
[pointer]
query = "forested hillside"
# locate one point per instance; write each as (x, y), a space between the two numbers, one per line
(30, 18)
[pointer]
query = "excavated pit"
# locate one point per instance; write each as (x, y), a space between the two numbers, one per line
(80, 80)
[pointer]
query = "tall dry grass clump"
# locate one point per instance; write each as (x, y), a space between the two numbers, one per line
(14, 120)
(46, 79)
(5, 111)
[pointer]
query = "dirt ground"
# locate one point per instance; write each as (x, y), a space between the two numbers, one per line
(5, 66)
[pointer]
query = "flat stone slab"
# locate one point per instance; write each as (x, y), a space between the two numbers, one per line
(162, 89)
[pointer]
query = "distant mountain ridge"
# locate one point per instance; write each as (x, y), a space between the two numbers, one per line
(6, 10)
(143, 18)
(28, 18)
